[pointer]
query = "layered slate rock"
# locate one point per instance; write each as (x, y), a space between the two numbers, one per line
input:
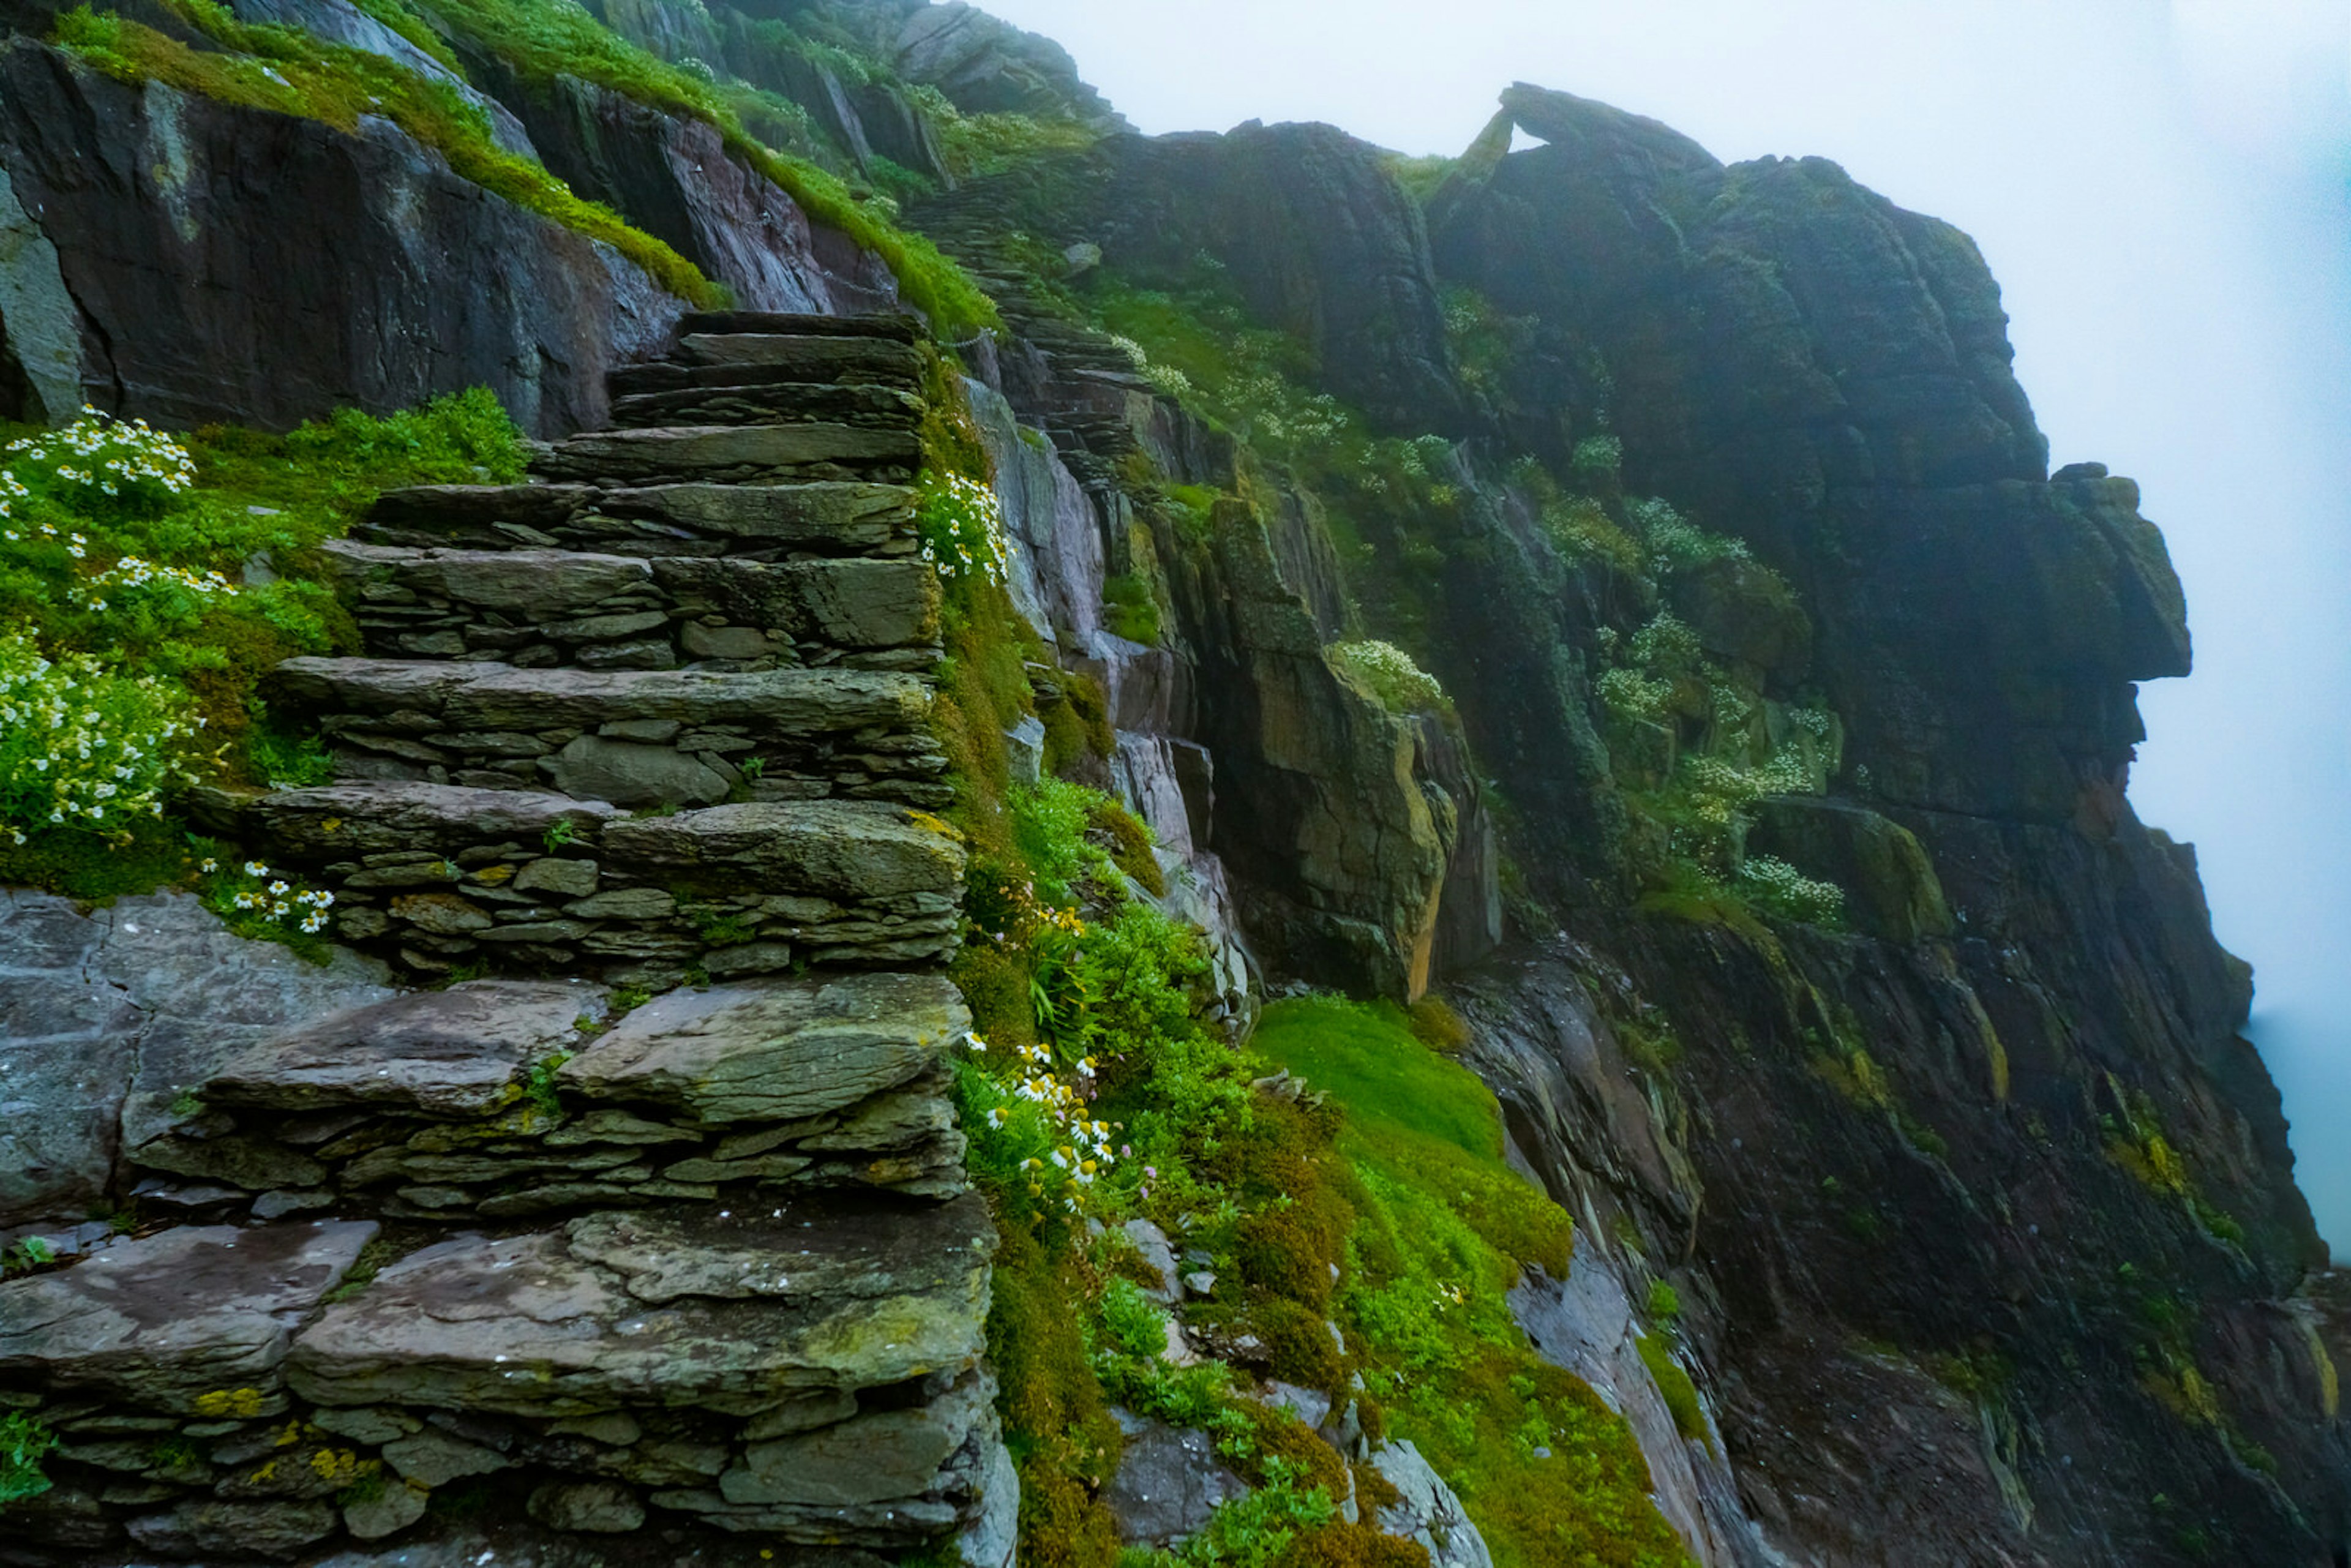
(753, 522)
(436, 876)
(499, 1099)
(668, 1270)
(632, 738)
(698, 659)
(191, 1321)
(537, 607)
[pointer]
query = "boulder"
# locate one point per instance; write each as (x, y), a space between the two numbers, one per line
(194, 1321)
(590, 1507)
(1169, 1480)
(773, 1050)
(457, 1052)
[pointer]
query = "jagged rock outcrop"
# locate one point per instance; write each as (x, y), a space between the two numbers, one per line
(184, 230)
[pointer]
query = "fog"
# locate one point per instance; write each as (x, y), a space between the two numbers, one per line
(2164, 192)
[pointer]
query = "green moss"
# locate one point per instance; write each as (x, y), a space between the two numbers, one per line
(1130, 845)
(1442, 1229)
(543, 41)
(288, 71)
(1680, 1394)
(1132, 609)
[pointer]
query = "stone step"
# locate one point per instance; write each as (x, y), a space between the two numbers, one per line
(538, 607)
(439, 876)
(811, 1368)
(756, 522)
(191, 1322)
(713, 358)
(422, 1107)
(632, 738)
(733, 455)
(896, 326)
(763, 400)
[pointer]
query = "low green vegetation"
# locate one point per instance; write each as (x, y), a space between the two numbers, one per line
(543, 41)
(1441, 1228)
(147, 583)
(24, 1440)
(289, 71)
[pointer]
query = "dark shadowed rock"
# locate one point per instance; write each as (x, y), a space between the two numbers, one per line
(382, 277)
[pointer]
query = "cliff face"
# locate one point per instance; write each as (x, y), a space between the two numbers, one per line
(1987, 1202)
(1975, 1204)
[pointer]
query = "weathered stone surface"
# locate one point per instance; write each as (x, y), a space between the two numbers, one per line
(457, 1052)
(849, 604)
(674, 176)
(593, 1508)
(845, 850)
(809, 359)
(385, 1512)
(728, 453)
(555, 1324)
(628, 774)
(1169, 1480)
(526, 583)
(478, 697)
(432, 1457)
(836, 518)
(412, 281)
(337, 821)
(866, 1459)
(1429, 1512)
(775, 1050)
(168, 1321)
(275, 1531)
(107, 1017)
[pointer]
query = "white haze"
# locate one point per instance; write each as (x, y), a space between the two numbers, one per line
(2165, 194)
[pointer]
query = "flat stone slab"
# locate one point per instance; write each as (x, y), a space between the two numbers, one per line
(195, 1321)
(850, 603)
(897, 326)
(522, 581)
(458, 1052)
(739, 1312)
(498, 697)
(773, 1050)
(728, 454)
(335, 820)
(435, 506)
(841, 517)
(858, 852)
(807, 359)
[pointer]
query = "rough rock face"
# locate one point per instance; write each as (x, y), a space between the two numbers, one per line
(184, 230)
(107, 1017)
(1795, 360)
(674, 178)
(1319, 239)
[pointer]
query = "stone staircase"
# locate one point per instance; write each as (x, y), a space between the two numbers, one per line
(698, 1274)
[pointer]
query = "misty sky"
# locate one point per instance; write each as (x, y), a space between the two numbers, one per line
(2163, 188)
